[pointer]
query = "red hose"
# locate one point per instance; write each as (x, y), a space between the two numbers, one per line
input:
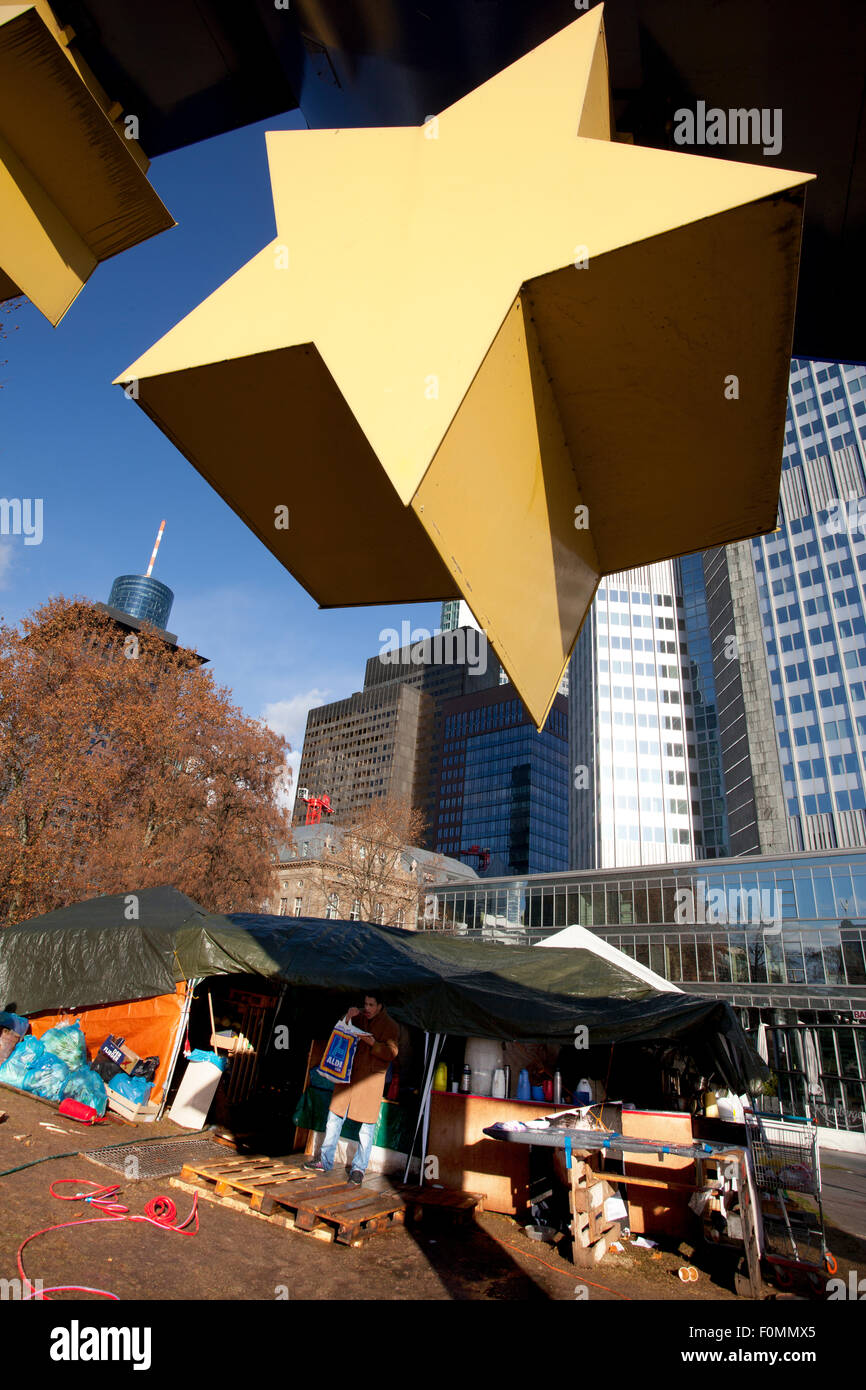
(160, 1212)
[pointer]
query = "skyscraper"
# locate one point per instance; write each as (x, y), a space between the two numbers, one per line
(502, 789)
(802, 638)
(632, 750)
(456, 613)
(770, 639)
(384, 739)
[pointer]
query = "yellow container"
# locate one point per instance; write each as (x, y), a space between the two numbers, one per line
(440, 1077)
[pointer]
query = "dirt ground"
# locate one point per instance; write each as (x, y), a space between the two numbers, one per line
(238, 1256)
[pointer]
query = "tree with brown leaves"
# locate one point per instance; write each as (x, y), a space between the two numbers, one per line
(123, 765)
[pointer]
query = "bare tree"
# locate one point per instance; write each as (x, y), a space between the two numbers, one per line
(369, 864)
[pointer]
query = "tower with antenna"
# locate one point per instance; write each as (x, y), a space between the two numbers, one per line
(141, 596)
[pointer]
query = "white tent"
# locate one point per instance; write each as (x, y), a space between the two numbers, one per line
(579, 936)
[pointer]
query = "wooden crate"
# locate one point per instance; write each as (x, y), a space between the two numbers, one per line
(131, 1110)
(592, 1233)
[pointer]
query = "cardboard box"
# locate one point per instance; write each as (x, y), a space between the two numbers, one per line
(116, 1051)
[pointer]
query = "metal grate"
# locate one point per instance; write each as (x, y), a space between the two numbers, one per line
(154, 1158)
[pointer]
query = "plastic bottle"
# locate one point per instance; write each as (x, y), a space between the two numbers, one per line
(466, 1080)
(583, 1094)
(440, 1077)
(523, 1090)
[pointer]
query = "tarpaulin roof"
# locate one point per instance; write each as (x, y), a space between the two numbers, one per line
(92, 953)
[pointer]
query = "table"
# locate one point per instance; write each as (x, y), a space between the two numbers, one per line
(587, 1141)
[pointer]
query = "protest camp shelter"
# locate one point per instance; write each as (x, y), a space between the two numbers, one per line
(129, 964)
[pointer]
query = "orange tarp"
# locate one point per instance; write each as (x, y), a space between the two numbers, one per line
(148, 1026)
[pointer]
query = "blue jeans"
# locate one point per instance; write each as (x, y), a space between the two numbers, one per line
(332, 1134)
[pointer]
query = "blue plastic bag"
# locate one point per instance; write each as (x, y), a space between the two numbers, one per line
(16, 1022)
(66, 1041)
(88, 1087)
(199, 1054)
(47, 1077)
(16, 1067)
(133, 1088)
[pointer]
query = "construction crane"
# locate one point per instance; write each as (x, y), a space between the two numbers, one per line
(315, 806)
(483, 856)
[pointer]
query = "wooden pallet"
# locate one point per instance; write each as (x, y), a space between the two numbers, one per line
(319, 1203)
(267, 1186)
(256, 1178)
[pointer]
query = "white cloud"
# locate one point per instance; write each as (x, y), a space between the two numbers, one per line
(289, 718)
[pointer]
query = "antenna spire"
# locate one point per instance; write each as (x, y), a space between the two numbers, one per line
(155, 549)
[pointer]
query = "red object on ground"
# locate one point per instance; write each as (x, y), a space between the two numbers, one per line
(77, 1110)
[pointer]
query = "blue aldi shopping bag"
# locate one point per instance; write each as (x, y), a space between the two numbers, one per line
(340, 1053)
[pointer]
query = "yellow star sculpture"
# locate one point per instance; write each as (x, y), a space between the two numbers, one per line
(499, 356)
(73, 180)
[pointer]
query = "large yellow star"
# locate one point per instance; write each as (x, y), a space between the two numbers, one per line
(499, 355)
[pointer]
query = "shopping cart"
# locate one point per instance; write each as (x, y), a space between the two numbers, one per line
(787, 1175)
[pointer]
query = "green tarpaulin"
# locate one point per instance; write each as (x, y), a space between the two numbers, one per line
(99, 952)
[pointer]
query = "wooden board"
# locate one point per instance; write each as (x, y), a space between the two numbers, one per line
(469, 1161)
(658, 1211)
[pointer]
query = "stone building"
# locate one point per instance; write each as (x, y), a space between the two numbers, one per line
(318, 875)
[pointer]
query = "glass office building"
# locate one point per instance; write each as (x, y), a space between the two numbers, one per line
(635, 797)
(780, 938)
(142, 597)
(765, 650)
(810, 579)
(705, 756)
(503, 786)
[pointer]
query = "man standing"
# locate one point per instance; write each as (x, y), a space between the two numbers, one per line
(360, 1097)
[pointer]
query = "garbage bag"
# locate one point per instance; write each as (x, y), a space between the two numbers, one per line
(16, 1066)
(146, 1067)
(104, 1067)
(66, 1041)
(89, 1088)
(134, 1088)
(9, 1040)
(16, 1022)
(47, 1077)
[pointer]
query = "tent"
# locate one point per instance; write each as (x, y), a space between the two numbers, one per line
(113, 951)
(587, 940)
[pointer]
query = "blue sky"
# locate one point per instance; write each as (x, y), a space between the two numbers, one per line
(107, 476)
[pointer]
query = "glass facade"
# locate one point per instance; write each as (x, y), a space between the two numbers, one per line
(503, 787)
(810, 576)
(706, 756)
(784, 939)
(635, 796)
(142, 597)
